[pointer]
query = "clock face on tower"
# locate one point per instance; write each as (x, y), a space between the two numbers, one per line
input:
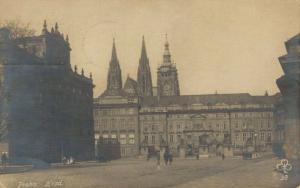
(167, 89)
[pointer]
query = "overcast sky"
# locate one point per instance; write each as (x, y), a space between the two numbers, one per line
(230, 46)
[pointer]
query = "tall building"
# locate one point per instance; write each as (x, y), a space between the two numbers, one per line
(47, 107)
(185, 124)
(116, 110)
(167, 78)
(144, 78)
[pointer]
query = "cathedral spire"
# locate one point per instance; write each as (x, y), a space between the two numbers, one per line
(167, 77)
(114, 52)
(144, 79)
(167, 54)
(144, 52)
(56, 28)
(44, 31)
(114, 77)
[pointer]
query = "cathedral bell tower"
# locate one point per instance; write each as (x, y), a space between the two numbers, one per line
(144, 74)
(167, 78)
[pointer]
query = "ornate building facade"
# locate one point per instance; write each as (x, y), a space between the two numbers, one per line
(180, 122)
(45, 105)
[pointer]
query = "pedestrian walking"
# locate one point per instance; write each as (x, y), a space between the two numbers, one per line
(158, 159)
(4, 159)
(166, 157)
(223, 156)
(170, 158)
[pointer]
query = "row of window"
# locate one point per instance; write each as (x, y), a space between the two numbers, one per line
(205, 107)
(263, 136)
(122, 111)
(153, 140)
(123, 138)
(215, 115)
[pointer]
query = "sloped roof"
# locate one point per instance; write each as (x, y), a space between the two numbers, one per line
(114, 92)
(211, 99)
(130, 86)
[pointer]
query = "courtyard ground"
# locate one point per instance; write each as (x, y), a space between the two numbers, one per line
(136, 173)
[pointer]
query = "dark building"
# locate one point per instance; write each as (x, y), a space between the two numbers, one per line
(288, 129)
(47, 107)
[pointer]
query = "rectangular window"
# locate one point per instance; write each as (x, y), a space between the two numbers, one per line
(178, 138)
(237, 137)
(114, 136)
(171, 139)
(153, 139)
(269, 137)
(122, 138)
(131, 138)
(105, 135)
(262, 136)
(244, 136)
(146, 139)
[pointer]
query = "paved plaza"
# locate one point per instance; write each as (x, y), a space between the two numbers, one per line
(136, 173)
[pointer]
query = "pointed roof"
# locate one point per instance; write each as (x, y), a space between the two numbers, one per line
(114, 77)
(167, 54)
(130, 86)
(144, 78)
(144, 52)
(45, 30)
(114, 52)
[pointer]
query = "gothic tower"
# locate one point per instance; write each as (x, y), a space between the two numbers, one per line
(167, 78)
(114, 77)
(144, 74)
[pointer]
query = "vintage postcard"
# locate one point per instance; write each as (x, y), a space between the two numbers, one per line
(149, 93)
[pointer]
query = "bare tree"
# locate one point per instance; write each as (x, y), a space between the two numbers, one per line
(17, 28)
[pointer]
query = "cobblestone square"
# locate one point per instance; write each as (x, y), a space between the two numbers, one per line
(135, 173)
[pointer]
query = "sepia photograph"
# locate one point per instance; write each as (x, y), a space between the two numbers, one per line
(150, 93)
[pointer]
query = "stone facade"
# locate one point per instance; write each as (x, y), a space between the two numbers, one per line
(220, 119)
(116, 110)
(187, 124)
(47, 106)
(289, 85)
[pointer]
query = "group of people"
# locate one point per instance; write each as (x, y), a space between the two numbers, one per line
(69, 160)
(168, 158)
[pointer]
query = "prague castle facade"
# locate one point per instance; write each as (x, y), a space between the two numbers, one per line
(144, 120)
